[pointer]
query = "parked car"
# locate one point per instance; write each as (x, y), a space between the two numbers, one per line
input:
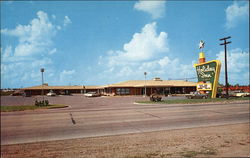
(241, 94)
(92, 94)
(238, 94)
(51, 94)
(26, 94)
(155, 97)
(234, 94)
(19, 93)
(197, 95)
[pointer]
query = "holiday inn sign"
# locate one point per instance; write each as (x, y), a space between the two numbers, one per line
(208, 73)
(208, 76)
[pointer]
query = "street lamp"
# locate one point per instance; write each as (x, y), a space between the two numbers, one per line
(145, 91)
(42, 71)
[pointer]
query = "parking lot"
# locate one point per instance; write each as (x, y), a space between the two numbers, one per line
(76, 101)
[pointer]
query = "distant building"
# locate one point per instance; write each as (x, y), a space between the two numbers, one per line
(137, 87)
(37, 90)
(132, 87)
(237, 88)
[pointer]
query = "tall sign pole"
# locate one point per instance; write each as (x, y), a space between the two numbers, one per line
(225, 47)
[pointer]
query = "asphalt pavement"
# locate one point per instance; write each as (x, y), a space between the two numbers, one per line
(102, 116)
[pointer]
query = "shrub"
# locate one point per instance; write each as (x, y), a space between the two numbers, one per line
(46, 103)
(36, 103)
(42, 103)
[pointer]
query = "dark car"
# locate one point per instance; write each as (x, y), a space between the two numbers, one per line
(155, 97)
(197, 95)
(18, 93)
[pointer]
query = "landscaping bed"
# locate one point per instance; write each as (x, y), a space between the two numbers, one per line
(193, 101)
(29, 107)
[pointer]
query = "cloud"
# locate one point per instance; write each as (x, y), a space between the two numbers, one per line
(21, 73)
(237, 66)
(66, 21)
(155, 8)
(147, 44)
(146, 51)
(21, 62)
(235, 13)
(68, 72)
(66, 75)
(41, 63)
(35, 37)
(169, 68)
(53, 51)
(6, 53)
(53, 16)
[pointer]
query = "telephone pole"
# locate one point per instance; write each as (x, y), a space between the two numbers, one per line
(225, 47)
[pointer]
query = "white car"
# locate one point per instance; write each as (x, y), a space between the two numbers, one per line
(92, 94)
(241, 94)
(51, 94)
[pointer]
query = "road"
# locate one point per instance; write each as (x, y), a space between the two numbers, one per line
(91, 117)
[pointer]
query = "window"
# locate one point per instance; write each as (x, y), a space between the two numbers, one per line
(122, 91)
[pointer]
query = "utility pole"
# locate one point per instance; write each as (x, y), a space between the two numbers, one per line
(225, 46)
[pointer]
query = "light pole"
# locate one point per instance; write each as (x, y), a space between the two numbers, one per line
(42, 70)
(83, 89)
(225, 47)
(145, 91)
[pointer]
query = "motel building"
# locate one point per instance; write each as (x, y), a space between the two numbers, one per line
(131, 87)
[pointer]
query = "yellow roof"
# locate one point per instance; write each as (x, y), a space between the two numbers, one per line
(61, 87)
(130, 83)
(154, 83)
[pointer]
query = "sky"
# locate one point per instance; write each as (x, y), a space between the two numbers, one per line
(105, 42)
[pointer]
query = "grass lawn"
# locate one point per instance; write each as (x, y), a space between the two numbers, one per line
(28, 107)
(191, 101)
